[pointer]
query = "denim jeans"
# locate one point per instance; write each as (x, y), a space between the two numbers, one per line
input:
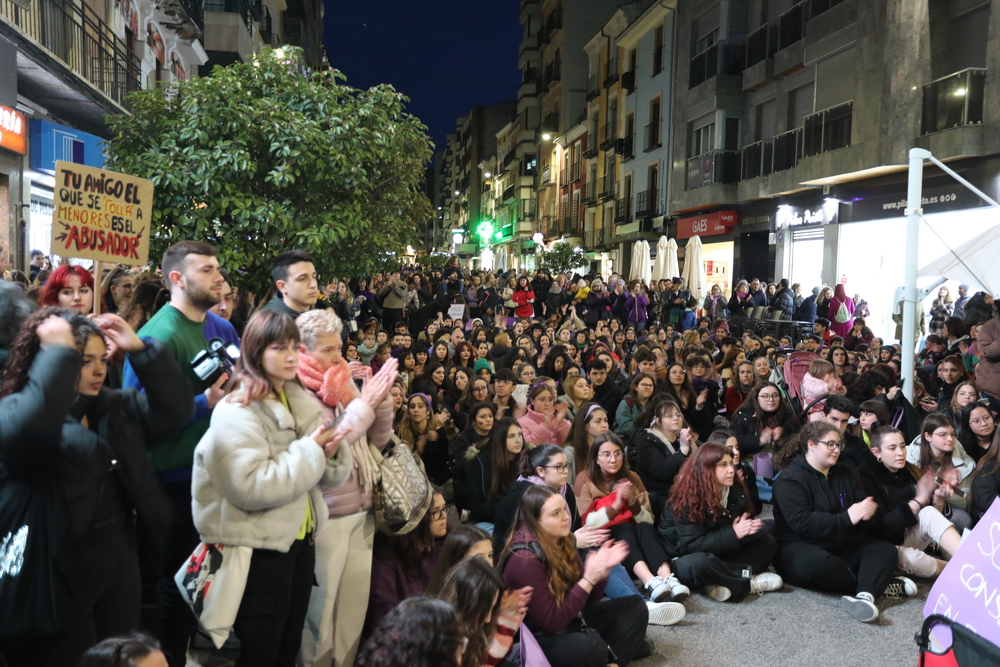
(620, 584)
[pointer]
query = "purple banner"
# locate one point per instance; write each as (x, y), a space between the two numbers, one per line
(968, 590)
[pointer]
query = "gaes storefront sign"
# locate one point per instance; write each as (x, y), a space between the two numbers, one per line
(794, 216)
(101, 215)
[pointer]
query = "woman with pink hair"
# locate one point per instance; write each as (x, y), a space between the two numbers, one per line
(841, 312)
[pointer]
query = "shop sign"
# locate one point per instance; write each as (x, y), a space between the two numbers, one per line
(51, 142)
(711, 224)
(796, 216)
(13, 130)
(101, 215)
(939, 199)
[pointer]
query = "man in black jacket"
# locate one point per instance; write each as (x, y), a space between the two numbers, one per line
(606, 394)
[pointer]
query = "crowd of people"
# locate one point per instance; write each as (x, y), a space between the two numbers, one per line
(592, 449)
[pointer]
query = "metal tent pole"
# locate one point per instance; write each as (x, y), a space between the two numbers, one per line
(914, 193)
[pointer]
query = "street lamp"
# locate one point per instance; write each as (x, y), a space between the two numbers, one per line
(546, 137)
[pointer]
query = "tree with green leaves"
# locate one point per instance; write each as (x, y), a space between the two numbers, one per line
(264, 156)
(562, 257)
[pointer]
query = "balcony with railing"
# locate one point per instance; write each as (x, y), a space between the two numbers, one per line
(787, 149)
(657, 60)
(593, 87)
(646, 204)
(623, 210)
(78, 37)
(563, 181)
(609, 132)
(827, 130)
(241, 7)
(720, 59)
(815, 8)
(652, 136)
(589, 145)
(547, 175)
(590, 193)
(551, 123)
(508, 194)
(712, 168)
(575, 170)
(553, 74)
(610, 72)
(628, 82)
(953, 101)
(627, 146)
(572, 223)
(756, 160)
(792, 25)
(607, 187)
(762, 43)
(527, 210)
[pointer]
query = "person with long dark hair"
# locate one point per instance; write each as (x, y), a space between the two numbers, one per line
(493, 471)
(86, 446)
(693, 405)
(938, 452)
(541, 553)
(419, 632)
(660, 448)
(824, 525)
(709, 525)
(404, 564)
(256, 482)
(977, 430)
(466, 541)
(591, 421)
(464, 449)
(614, 497)
(986, 479)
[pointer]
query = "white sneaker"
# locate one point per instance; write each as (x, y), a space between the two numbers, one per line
(765, 583)
(718, 593)
(861, 607)
(658, 589)
(665, 613)
(678, 591)
(900, 587)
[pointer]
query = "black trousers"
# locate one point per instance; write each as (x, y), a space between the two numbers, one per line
(174, 622)
(644, 545)
(389, 318)
(620, 626)
(108, 600)
(274, 607)
(865, 566)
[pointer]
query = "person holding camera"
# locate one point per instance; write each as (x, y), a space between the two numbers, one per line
(184, 326)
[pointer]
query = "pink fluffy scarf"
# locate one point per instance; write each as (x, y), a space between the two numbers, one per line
(333, 386)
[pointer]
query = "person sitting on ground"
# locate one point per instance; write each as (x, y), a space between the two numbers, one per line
(545, 420)
(419, 632)
(464, 449)
(764, 421)
(938, 451)
(403, 564)
(906, 515)
(978, 429)
(615, 497)
(709, 529)
(824, 522)
(659, 450)
(591, 421)
(466, 541)
(871, 414)
(641, 390)
(493, 471)
(541, 553)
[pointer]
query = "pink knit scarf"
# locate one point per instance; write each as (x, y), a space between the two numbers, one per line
(332, 385)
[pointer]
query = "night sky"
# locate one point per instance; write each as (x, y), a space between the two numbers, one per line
(445, 55)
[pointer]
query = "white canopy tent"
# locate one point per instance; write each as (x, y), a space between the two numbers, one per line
(660, 266)
(646, 263)
(673, 268)
(694, 272)
(973, 262)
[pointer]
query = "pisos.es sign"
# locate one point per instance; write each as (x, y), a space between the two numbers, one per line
(795, 216)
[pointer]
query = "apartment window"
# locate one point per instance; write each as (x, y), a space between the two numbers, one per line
(969, 34)
(835, 77)
(800, 104)
(652, 131)
(291, 31)
(658, 42)
(706, 30)
(633, 60)
(766, 121)
(702, 139)
(609, 172)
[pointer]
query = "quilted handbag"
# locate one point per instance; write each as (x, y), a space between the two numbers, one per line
(403, 494)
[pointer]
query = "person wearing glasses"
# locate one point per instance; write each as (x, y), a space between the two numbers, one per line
(764, 420)
(615, 498)
(825, 526)
(978, 429)
(938, 452)
(404, 564)
(641, 390)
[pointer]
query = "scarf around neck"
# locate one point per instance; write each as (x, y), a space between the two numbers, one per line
(331, 385)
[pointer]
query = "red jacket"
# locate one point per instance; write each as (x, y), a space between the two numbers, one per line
(521, 298)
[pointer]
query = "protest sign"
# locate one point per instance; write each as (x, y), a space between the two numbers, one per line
(101, 215)
(968, 590)
(456, 311)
